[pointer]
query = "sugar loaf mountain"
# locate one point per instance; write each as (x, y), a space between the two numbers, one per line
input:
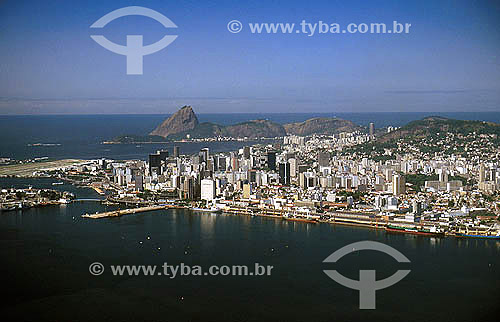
(184, 123)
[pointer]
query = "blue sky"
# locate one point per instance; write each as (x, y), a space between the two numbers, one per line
(448, 62)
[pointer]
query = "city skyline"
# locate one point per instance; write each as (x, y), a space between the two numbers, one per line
(250, 161)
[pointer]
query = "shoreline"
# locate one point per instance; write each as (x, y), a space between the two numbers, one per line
(376, 226)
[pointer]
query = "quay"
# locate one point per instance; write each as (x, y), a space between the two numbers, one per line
(341, 218)
(119, 213)
(98, 190)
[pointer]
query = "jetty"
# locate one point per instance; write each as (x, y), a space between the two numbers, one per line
(119, 213)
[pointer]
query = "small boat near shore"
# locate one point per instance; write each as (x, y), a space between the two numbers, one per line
(209, 210)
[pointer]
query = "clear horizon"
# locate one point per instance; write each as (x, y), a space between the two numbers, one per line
(427, 113)
(448, 62)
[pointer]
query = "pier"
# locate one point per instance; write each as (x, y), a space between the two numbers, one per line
(98, 190)
(119, 213)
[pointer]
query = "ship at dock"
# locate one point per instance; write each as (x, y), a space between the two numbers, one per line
(301, 218)
(415, 230)
(492, 232)
(478, 236)
(210, 210)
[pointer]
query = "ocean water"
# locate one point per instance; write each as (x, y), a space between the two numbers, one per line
(46, 253)
(80, 136)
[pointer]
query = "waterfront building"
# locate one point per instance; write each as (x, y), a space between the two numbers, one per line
(208, 189)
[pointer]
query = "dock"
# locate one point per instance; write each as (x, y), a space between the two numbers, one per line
(119, 213)
(98, 190)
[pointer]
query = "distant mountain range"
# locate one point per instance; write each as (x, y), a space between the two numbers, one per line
(321, 125)
(430, 135)
(184, 123)
(434, 125)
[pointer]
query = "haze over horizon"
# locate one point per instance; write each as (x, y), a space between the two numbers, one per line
(448, 62)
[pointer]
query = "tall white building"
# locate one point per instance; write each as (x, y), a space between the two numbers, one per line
(392, 203)
(293, 167)
(207, 189)
(443, 175)
(482, 173)
(398, 185)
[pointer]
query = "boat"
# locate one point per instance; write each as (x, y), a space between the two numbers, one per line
(491, 233)
(8, 208)
(299, 218)
(211, 209)
(311, 221)
(477, 236)
(57, 183)
(414, 230)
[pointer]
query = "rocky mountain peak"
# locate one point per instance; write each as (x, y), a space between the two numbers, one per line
(181, 121)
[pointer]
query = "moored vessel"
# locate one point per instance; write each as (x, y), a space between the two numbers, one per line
(305, 219)
(477, 236)
(211, 209)
(415, 230)
(492, 232)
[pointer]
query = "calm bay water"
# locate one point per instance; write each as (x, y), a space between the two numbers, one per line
(46, 253)
(80, 136)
